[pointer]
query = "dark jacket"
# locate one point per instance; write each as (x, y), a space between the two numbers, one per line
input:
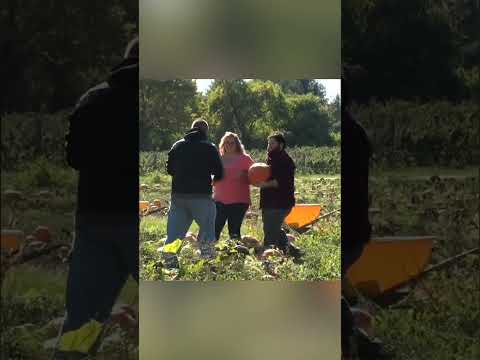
(283, 170)
(355, 224)
(102, 144)
(191, 162)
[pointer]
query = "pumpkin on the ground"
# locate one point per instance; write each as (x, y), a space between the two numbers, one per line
(143, 205)
(11, 240)
(250, 241)
(271, 253)
(42, 233)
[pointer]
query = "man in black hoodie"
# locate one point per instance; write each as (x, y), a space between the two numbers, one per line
(102, 145)
(355, 224)
(356, 228)
(192, 161)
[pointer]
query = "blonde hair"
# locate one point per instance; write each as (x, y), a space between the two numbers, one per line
(238, 143)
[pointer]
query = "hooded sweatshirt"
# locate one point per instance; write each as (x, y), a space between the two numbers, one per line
(356, 153)
(191, 162)
(102, 145)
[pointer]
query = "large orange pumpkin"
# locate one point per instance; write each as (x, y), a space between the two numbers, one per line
(42, 233)
(11, 240)
(143, 205)
(259, 172)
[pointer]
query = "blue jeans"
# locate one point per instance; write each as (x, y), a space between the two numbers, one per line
(183, 210)
(272, 228)
(102, 259)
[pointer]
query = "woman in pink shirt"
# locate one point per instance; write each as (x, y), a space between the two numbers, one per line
(232, 193)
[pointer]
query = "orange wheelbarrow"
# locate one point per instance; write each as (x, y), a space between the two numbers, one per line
(303, 216)
(389, 264)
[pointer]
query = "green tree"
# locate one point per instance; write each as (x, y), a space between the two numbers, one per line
(166, 110)
(304, 86)
(311, 121)
(336, 114)
(408, 48)
(53, 51)
(251, 109)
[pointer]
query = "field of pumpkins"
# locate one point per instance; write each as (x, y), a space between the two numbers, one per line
(320, 242)
(37, 222)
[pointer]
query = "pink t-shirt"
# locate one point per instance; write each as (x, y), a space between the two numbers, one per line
(234, 187)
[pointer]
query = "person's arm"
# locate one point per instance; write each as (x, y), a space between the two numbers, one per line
(77, 156)
(169, 165)
(72, 141)
(282, 175)
(216, 165)
(355, 168)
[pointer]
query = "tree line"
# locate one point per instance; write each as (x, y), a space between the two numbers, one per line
(424, 49)
(253, 109)
(53, 51)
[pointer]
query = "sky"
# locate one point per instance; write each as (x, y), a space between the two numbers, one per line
(332, 86)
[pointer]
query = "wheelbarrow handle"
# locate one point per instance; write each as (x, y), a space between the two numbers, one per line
(449, 261)
(322, 217)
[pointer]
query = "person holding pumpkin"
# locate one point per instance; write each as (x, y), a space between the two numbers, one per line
(192, 161)
(277, 195)
(232, 193)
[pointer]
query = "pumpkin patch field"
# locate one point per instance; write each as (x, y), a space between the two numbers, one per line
(438, 317)
(321, 242)
(37, 217)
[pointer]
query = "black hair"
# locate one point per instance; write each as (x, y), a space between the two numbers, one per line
(201, 125)
(279, 138)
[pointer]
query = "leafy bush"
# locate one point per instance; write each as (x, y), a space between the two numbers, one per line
(308, 159)
(414, 134)
(28, 136)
